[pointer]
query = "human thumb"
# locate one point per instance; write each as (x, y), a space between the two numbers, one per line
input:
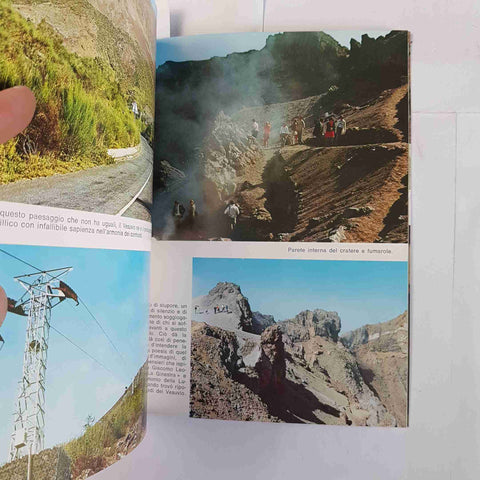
(17, 106)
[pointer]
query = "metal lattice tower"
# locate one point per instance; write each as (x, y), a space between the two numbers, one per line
(42, 294)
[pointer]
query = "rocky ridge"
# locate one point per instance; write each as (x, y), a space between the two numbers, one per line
(296, 370)
(309, 324)
(381, 351)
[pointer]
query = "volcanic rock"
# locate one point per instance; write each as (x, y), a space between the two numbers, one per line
(352, 212)
(381, 351)
(236, 313)
(308, 324)
(271, 365)
(343, 384)
(337, 235)
(215, 392)
(224, 155)
(389, 336)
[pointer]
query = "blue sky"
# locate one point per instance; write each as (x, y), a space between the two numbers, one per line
(114, 285)
(361, 292)
(201, 47)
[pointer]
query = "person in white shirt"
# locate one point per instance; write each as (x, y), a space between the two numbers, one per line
(284, 133)
(300, 128)
(341, 128)
(232, 212)
(255, 128)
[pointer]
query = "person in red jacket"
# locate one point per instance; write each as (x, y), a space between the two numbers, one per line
(266, 133)
(330, 131)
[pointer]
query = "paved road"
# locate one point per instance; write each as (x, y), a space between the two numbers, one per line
(105, 189)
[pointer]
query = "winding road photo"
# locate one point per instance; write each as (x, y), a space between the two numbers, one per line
(123, 188)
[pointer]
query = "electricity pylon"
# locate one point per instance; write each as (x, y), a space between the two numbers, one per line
(42, 294)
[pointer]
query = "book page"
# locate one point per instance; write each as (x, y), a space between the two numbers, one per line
(75, 233)
(280, 280)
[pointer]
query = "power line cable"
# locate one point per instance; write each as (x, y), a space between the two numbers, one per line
(80, 299)
(20, 260)
(101, 328)
(82, 350)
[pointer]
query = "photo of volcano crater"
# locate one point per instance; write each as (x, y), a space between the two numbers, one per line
(287, 137)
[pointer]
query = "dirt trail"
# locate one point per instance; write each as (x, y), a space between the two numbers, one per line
(355, 191)
(352, 192)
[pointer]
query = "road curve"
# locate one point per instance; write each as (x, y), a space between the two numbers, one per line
(104, 189)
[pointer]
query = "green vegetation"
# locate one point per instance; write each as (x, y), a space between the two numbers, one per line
(82, 103)
(98, 446)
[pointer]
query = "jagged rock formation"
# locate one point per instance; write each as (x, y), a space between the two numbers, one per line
(170, 174)
(333, 375)
(373, 65)
(271, 366)
(224, 157)
(381, 351)
(309, 324)
(293, 371)
(214, 391)
(238, 316)
(389, 336)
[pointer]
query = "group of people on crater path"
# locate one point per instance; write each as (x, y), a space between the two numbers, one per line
(294, 134)
(330, 129)
(266, 131)
(297, 128)
(216, 309)
(220, 309)
(189, 221)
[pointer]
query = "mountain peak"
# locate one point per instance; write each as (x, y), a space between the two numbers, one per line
(311, 323)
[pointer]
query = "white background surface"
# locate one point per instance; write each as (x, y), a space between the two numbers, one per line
(443, 440)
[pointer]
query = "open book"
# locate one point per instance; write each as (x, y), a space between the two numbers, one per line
(235, 207)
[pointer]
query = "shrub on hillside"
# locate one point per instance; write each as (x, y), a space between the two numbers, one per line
(82, 104)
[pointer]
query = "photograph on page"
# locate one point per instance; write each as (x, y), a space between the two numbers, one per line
(90, 65)
(289, 136)
(73, 352)
(300, 341)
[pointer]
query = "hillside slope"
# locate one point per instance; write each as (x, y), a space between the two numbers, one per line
(115, 435)
(353, 192)
(382, 354)
(103, 443)
(292, 371)
(118, 33)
